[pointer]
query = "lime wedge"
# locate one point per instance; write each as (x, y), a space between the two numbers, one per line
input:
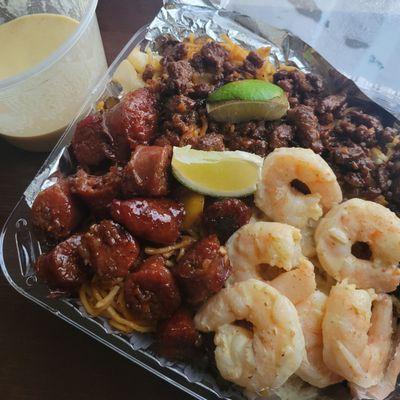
(247, 89)
(246, 100)
(217, 173)
(240, 111)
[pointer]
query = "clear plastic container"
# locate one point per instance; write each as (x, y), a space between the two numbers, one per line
(38, 104)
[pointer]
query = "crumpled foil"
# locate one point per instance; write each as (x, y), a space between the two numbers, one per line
(206, 17)
(202, 17)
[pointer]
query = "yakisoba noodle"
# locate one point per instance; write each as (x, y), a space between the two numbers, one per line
(168, 250)
(105, 299)
(110, 304)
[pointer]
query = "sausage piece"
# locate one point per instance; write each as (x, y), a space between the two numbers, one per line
(203, 270)
(177, 338)
(224, 217)
(63, 268)
(109, 249)
(96, 192)
(132, 121)
(146, 174)
(151, 292)
(55, 211)
(156, 220)
(92, 143)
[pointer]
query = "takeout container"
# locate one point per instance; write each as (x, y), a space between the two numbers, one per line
(20, 245)
(59, 85)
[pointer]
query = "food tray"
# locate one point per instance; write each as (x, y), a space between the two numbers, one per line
(20, 245)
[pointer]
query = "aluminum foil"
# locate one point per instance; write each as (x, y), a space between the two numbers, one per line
(206, 17)
(179, 18)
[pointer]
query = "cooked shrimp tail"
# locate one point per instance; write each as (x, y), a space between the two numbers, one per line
(357, 330)
(313, 369)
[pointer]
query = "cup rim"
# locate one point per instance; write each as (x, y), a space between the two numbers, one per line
(59, 53)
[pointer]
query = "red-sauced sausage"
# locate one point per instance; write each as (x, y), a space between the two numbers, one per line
(224, 217)
(91, 143)
(109, 249)
(156, 220)
(177, 337)
(132, 121)
(146, 173)
(96, 191)
(203, 270)
(55, 211)
(63, 268)
(151, 292)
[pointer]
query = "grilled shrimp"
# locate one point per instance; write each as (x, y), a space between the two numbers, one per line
(357, 341)
(270, 251)
(297, 187)
(376, 229)
(264, 357)
(388, 384)
(313, 369)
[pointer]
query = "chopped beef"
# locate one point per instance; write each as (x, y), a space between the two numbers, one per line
(178, 78)
(214, 56)
(307, 127)
(281, 136)
(180, 104)
(252, 63)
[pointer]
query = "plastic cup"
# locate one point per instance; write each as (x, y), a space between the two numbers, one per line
(37, 104)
